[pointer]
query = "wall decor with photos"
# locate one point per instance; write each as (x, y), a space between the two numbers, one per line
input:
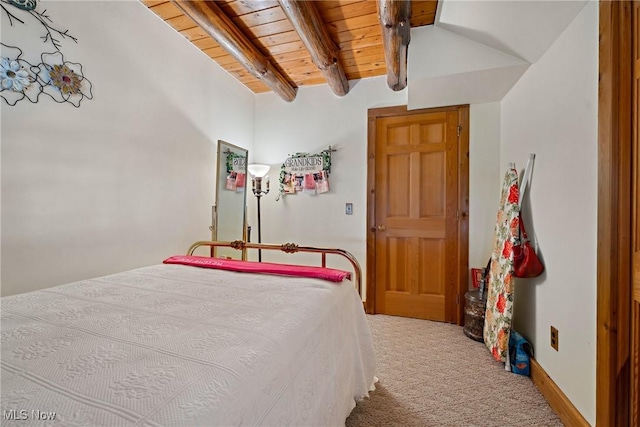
(306, 173)
(236, 171)
(60, 79)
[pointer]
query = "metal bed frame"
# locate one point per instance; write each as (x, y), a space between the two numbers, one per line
(287, 248)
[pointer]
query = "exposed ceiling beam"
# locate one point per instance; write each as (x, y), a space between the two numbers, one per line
(312, 31)
(218, 25)
(395, 22)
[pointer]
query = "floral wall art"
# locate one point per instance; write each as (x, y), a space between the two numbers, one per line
(46, 71)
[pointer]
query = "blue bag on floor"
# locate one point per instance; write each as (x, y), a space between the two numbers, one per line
(520, 353)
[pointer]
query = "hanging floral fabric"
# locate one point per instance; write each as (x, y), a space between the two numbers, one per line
(500, 282)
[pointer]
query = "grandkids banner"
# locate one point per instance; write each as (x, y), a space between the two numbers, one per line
(305, 173)
(303, 165)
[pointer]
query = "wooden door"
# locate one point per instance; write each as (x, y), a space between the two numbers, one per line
(635, 230)
(416, 213)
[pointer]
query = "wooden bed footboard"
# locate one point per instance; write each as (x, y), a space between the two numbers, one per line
(288, 248)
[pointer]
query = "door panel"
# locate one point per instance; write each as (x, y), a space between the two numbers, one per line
(432, 267)
(635, 230)
(398, 169)
(433, 182)
(416, 231)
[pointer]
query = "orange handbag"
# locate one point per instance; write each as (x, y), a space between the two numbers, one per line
(526, 263)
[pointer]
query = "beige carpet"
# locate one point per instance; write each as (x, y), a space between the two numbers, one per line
(431, 374)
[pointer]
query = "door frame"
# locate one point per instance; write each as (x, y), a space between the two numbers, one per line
(463, 201)
(614, 250)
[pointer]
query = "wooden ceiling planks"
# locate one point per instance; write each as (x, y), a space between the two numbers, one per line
(244, 7)
(352, 24)
(260, 17)
(333, 10)
(221, 28)
(312, 30)
(423, 13)
(165, 10)
(151, 3)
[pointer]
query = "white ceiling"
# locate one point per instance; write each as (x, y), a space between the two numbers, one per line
(477, 50)
(521, 28)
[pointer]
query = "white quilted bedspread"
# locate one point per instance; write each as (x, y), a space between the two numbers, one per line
(172, 345)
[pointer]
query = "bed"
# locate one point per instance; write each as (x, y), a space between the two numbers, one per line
(179, 345)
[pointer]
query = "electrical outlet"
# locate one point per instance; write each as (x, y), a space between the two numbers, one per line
(554, 338)
(348, 209)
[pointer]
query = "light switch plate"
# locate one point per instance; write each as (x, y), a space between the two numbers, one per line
(348, 209)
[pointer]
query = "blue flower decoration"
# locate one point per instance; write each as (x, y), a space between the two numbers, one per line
(17, 77)
(13, 76)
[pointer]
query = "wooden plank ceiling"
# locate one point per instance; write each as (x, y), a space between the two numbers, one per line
(353, 25)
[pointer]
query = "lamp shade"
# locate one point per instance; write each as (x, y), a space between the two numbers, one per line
(258, 170)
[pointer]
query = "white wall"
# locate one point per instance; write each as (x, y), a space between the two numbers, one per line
(439, 52)
(524, 29)
(445, 68)
(552, 112)
(128, 178)
(477, 50)
(485, 180)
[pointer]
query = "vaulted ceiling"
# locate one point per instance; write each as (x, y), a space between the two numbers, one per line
(280, 45)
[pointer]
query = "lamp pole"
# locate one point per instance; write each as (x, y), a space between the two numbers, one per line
(259, 196)
(258, 172)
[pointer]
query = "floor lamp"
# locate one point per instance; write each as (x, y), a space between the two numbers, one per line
(258, 172)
